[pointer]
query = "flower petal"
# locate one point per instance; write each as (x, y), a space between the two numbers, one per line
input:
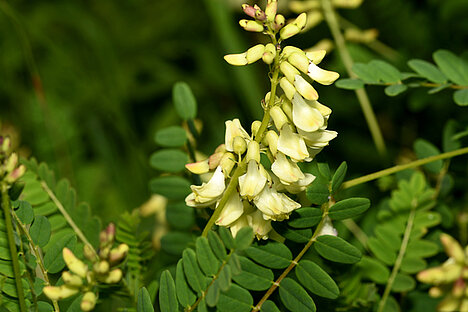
(292, 144)
(306, 117)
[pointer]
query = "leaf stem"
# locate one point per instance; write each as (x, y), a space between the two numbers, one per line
(361, 94)
(67, 217)
(401, 254)
(392, 170)
(11, 243)
(296, 260)
(38, 255)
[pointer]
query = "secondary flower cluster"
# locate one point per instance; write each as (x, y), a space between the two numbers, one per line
(10, 172)
(295, 132)
(451, 278)
(81, 279)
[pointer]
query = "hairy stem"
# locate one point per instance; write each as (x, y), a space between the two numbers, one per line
(37, 253)
(11, 243)
(361, 94)
(296, 260)
(392, 170)
(192, 308)
(401, 254)
(67, 217)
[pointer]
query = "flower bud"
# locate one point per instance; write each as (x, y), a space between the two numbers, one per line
(287, 109)
(322, 76)
(255, 126)
(302, 6)
(347, 4)
(199, 167)
(88, 301)
(458, 288)
(113, 277)
(239, 146)
(59, 292)
(227, 162)
(435, 292)
(249, 10)
(117, 254)
(271, 9)
(11, 162)
(300, 61)
(269, 54)
(156, 204)
(288, 50)
(260, 15)
(89, 253)
(279, 22)
(253, 151)
(14, 175)
(255, 53)
(278, 116)
(101, 267)
(72, 279)
(305, 88)
(361, 36)
(271, 138)
(6, 144)
(289, 71)
(73, 263)
(449, 303)
(452, 248)
(233, 129)
(287, 87)
(301, 21)
(316, 56)
(289, 30)
(253, 26)
(236, 59)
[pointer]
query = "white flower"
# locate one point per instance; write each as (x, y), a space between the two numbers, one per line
(231, 211)
(251, 183)
(274, 205)
(305, 88)
(300, 185)
(327, 228)
(238, 224)
(322, 76)
(286, 170)
(259, 225)
(318, 139)
(207, 193)
(234, 129)
(292, 144)
(305, 116)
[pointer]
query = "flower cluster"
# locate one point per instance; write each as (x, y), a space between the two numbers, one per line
(451, 278)
(10, 172)
(80, 278)
(293, 131)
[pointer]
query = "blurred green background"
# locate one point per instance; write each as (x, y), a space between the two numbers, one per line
(85, 84)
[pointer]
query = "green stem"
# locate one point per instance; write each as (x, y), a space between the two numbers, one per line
(67, 217)
(401, 254)
(392, 170)
(361, 94)
(296, 260)
(211, 283)
(38, 255)
(11, 243)
(232, 186)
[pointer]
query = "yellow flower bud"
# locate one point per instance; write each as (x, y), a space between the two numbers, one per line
(239, 145)
(301, 21)
(322, 76)
(316, 56)
(89, 253)
(269, 54)
(279, 22)
(227, 162)
(72, 279)
(113, 277)
(435, 292)
(155, 204)
(117, 254)
(278, 116)
(347, 4)
(199, 167)
(288, 109)
(302, 6)
(289, 71)
(255, 53)
(101, 267)
(288, 50)
(14, 175)
(270, 10)
(287, 87)
(449, 303)
(305, 88)
(6, 144)
(313, 19)
(88, 301)
(11, 162)
(236, 59)
(452, 248)
(253, 152)
(254, 26)
(59, 292)
(300, 61)
(74, 264)
(289, 30)
(272, 139)
(255, 126)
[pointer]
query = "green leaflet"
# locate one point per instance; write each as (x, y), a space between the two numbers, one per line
(217, 245)
(295, 235)
(374, 270)
(461, 97)
(269, 306)
(184, 293)
(144, 301)
(173, 136)
(235, 299)
(169, 160)
(205, 256)
(455, 68)
(212, 295)
(174, 243)
(403, 283)
(184, 101)
(53, 260)
(339, 176)
(227, 238)
(318, 191)
(425, 149)
(40, 231)
(395, 89)
(179, 216)
(336, 249)
(348, 208)
(25, 212)
(305, 217)
(253, 276)
(349, 83)
(173, 187)
(316, 280)
(294, 297)
(244, 238)
(427, 70)
(272, 255)
(167, 293)
(195, 276)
